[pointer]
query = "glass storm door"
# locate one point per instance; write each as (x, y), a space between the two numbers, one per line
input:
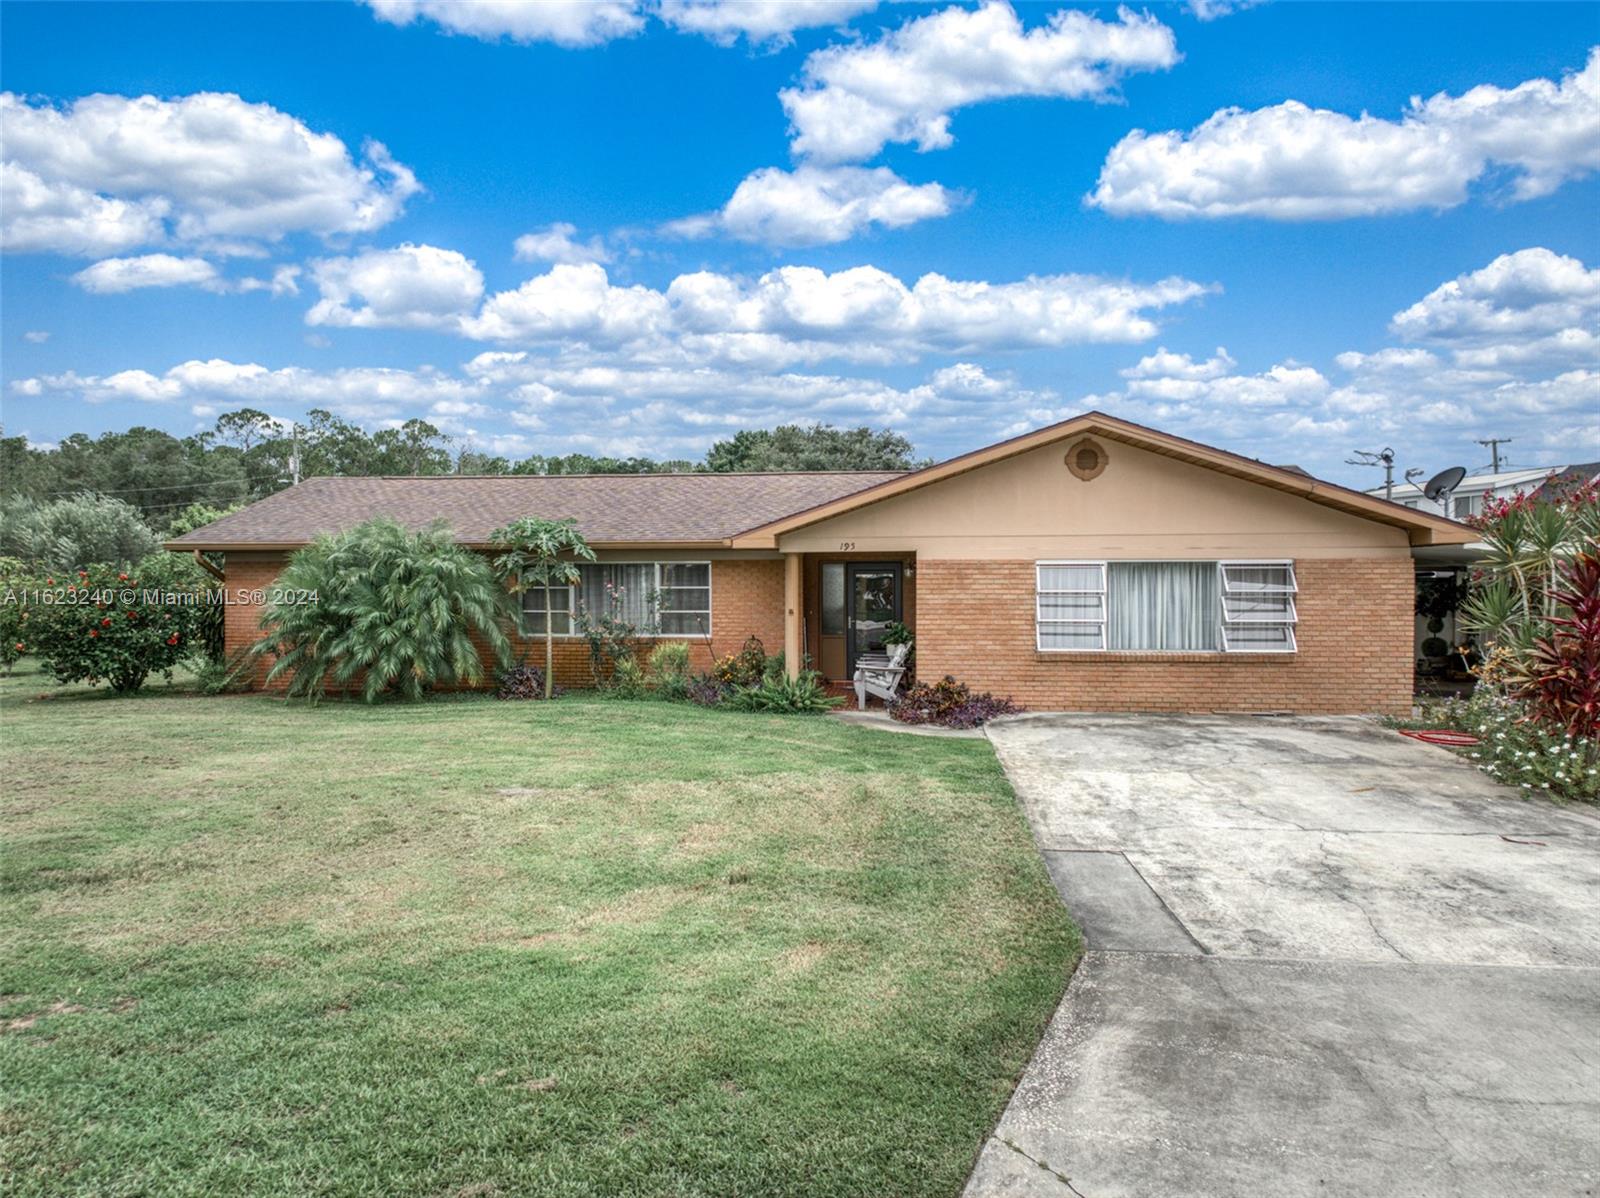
(872, 603)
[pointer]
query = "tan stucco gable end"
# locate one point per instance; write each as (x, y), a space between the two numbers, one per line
(1156, 494)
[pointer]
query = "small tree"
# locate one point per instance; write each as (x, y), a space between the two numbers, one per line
(198, 515)
(398, 609)
(541, 554)
(818, 447)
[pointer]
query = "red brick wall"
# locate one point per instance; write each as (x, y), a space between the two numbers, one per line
(241, 626)
(746, 600)
(975, 620)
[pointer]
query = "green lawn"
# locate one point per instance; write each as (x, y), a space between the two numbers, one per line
(480, 948)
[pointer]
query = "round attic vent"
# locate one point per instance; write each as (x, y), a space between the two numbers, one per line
(1086, 459)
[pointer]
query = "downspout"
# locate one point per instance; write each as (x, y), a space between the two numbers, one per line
(205, 564)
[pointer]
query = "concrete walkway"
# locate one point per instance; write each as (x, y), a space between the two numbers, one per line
(1324, 959)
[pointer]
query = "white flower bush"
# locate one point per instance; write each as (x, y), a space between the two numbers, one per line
(1532, 757)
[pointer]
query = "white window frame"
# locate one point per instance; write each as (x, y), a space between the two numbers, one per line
(1039, 621)
(523, 613)
(1286, 621)
(1224, 587)
(657, 588)
(661, 589)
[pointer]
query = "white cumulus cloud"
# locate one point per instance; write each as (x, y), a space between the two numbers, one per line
(1533, 292)
(108, 173)
(111, 276)
(1293, 162)
(615, 407)
(285, 280)
(1512, 347)
(854, 99)
(762, 22)
(1166, 364)
(576, 24)
(36, 215)
(817, 205)
(411, 286)
(804, 314)
(1212, 10)
(557, 243)
(571, 23)
(355, 392)
(571, 303)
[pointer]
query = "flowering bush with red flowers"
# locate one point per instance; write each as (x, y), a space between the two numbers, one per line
(101, 624)
(15, 582)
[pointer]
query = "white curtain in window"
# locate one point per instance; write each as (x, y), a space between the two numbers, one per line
(1162, 606)
(622, 589)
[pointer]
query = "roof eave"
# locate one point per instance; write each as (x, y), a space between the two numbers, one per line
(291, 546)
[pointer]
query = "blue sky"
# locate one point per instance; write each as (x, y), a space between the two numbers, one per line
(725, 214)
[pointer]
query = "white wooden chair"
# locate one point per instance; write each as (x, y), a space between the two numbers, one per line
(880, 674)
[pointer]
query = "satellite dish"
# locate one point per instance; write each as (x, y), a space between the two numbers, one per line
(1441, 484)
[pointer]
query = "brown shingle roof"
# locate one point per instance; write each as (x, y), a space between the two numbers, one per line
(610, 508)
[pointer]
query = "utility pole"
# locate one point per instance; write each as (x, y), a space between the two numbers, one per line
(1494, 444)
(1383, 457)
(294, 454)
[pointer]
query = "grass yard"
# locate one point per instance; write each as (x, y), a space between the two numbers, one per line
(480, 948)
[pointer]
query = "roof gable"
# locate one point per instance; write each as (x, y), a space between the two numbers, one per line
(1422, 528)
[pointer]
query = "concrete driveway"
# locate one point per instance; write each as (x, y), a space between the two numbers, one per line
(1324, 959)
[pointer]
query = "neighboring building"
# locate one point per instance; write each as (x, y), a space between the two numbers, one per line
(1467, 499)
(1569, 479)
(1092, 565)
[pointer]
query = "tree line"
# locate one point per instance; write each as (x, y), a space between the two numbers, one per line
(248, 455)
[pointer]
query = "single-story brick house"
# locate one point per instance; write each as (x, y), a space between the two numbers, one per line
(1092, 565)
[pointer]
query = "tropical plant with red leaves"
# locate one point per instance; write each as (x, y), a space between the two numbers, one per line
(1561, 675)
(1527, 544)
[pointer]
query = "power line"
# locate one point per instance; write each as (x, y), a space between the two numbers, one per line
(140, 490)
(1493, 445)
(1383, 457)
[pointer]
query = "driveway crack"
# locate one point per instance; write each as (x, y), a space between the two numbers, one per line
(1339, 887)
(1044, 1166)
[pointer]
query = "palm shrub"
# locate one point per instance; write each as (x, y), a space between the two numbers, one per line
(538, 553)
(391, 609)
(1514, 593)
